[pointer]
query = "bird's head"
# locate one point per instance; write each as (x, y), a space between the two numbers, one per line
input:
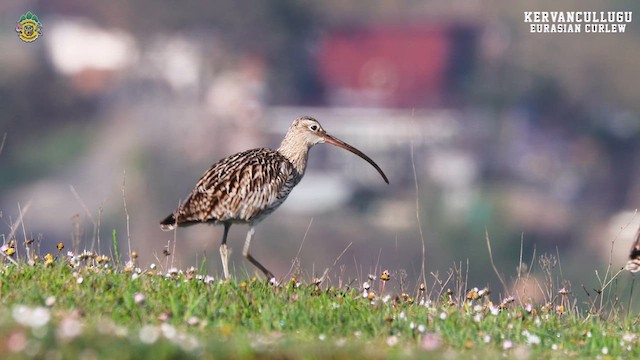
(307, 131)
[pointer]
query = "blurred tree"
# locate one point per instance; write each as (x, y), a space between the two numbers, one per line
(277, 30)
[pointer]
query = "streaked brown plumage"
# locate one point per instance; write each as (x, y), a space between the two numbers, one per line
(246, 187)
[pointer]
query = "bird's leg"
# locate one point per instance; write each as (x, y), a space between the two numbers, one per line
(245, 253)
(225, 251)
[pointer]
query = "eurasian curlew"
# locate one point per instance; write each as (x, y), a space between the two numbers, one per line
(246, 187)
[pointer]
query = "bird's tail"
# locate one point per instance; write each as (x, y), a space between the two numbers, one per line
(169, 223)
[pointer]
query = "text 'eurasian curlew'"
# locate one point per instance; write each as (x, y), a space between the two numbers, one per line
(246, 187)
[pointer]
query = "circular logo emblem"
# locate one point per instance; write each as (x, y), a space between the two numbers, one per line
(29, 27)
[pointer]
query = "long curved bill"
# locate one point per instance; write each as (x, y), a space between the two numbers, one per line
(339, 143)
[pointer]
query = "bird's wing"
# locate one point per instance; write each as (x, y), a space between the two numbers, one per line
(240, 188)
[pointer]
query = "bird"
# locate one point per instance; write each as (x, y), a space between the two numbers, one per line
(246, 187)
(633, 264)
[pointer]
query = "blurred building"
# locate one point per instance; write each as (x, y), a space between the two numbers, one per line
(396, 65)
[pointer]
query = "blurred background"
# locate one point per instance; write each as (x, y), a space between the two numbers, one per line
(533, 137)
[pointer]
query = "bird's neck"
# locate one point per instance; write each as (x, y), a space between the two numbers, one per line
(296, 151)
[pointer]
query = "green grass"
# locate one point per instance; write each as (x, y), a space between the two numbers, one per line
(98, 310)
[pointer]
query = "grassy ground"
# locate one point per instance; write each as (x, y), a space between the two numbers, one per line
(84, 306)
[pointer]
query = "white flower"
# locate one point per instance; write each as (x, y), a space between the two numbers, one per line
(392, 340)
(139, 298)
(477, 317)
(507, 344)
(50, 301)
(188, 343)
(168, 331)
(605, 350)
(494, 310)
(69, 328)
(149, 334)
(31, 317)
(443, 315)
(193, 321)
(531, 338)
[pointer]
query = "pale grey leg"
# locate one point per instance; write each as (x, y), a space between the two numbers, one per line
(245, 252)
(225, 251)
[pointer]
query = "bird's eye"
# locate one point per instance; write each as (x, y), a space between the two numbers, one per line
(313, 127)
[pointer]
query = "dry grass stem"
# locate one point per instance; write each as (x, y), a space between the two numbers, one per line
(126, 213)
(296, 260)
(493, 265)
(423, 275)
(88, 213)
